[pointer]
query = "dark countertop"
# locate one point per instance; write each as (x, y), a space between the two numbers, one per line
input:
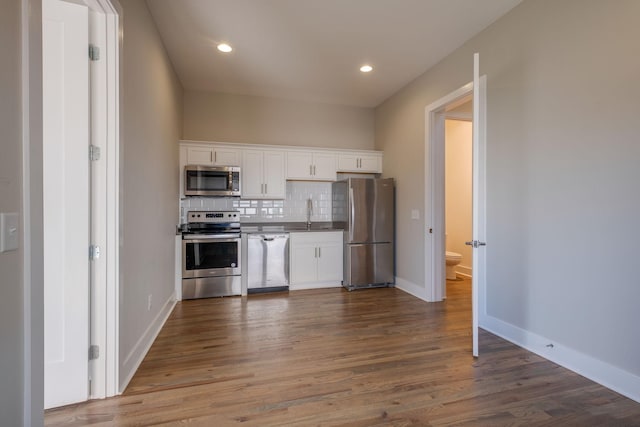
(275, 227)
(287, 227)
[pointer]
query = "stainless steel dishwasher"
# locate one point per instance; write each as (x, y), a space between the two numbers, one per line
(267, 262)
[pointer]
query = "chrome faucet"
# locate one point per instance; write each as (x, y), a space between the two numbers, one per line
(309, 212)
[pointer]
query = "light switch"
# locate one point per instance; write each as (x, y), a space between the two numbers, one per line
(8, 232)
(415, 214)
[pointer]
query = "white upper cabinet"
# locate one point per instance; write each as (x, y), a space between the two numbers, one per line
(213, 156)
(315, 166)
(362, 162)
(263, 174)
(265, 171)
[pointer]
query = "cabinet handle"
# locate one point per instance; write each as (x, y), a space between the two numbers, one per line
(319, 252)
(261, 188)
(359, 163)
(265, 188)
(314, 169)
(315, 252)
(310, 170)
(215, 157)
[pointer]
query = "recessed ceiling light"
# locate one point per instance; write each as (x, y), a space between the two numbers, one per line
(223, 47)
(366, 68)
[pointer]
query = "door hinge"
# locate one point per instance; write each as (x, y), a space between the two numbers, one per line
(94, 252)
(94, 52)
(94, 352)
(94, 153)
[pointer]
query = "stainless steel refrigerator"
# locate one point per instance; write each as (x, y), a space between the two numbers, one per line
(364, 208)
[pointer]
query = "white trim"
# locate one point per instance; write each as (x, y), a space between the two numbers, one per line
(240, 145)
(137, 354)
(411, 288)
(105, 295)
(32, 243)
(465, 117)
(464, 271)
(314, 285)
(610, 376)
(434, 272)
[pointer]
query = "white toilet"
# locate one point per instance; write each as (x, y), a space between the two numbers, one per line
(452, 259)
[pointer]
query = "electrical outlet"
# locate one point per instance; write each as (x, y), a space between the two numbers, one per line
(415, 214)
(149, 303)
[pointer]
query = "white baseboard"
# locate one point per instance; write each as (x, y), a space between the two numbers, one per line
(317, 285)
(596, 370)
(464, 271)
(411, 288)
(136, 355)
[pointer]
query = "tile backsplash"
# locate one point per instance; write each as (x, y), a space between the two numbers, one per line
(292, 209)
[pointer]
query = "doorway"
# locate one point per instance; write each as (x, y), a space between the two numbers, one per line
(81, 53)
(435, 116)
(458, 193)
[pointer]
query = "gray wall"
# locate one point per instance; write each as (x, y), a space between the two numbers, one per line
(562, 170)
(151, 127)
(258, 120)
(12, 331)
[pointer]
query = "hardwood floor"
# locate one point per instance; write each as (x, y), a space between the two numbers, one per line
(336, 358)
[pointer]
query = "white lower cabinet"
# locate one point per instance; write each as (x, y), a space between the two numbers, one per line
(316, 259)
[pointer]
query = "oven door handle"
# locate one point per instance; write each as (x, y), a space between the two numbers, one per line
(208, 239)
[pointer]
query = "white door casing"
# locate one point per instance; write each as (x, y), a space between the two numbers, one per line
(66, 201)
(435, 114)
(104, 33)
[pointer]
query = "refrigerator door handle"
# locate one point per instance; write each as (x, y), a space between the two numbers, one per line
(352, 214)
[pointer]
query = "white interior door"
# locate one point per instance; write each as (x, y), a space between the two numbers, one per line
(478, 208)
(66, 201)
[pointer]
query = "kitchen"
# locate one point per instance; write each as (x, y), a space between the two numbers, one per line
(293, 211)
(167, 110)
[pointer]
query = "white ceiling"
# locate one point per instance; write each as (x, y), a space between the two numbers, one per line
(312, 49)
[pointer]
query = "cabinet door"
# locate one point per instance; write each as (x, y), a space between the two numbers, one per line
(369, 163)
(223, 156)
(202, 156)
(274, 180)
(299, 165)
(252, 174)
(324, 166)
(304, 263)
(348, 163)
(359, 162)
(330, 262)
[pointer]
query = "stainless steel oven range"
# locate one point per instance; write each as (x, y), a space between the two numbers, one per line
(211, 255)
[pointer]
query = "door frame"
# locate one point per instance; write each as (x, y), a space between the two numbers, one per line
(435, 115)
(106, 33)
(434, 212)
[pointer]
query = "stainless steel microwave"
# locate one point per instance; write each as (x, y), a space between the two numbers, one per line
(211, 180)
